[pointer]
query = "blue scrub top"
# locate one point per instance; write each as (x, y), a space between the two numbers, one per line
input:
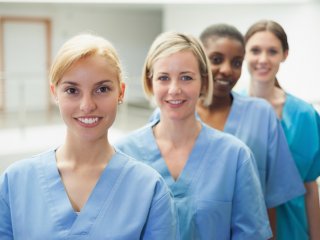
(218, 193)
(254, 122)
(129, 201)
(301, 124)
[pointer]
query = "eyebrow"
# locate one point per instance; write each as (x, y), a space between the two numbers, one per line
(96, 84)
(188, 72)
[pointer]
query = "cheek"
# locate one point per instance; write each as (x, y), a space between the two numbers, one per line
(215, 70)
(236, 75)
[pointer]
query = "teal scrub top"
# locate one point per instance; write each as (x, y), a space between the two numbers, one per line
(130, 201)
(301, 124)
(218, 193)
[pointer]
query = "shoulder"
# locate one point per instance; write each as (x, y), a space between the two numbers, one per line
(22, 172)
(253, 102)
(134, 135)
(299, 104)
(296, 107)
(138, 168)
(26, 165)
(226, 145)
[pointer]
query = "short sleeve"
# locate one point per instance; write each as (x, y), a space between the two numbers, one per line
(5, 216)
(314, 171)
(161, 222)
(249, 214)
(283, 181)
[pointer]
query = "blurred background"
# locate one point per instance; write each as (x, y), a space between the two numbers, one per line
(31, 32)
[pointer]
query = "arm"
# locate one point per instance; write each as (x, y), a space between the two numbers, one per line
(273, 221)
(313, 209)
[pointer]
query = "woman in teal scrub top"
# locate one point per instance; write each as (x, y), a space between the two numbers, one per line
(266, 48)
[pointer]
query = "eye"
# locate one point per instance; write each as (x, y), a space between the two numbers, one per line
(216, 59)
(273, 52)
(255, 51)
(186, 78)
(103, 89)
(163, 78)
(71, 90)
(237, 63)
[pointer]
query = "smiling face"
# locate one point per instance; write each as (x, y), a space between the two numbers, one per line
(226, 57)
(264, 54)
(176, 84)
(88, 95)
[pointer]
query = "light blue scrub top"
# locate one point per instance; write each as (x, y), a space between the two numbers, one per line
(130, 201)
(301, 124)
(218, 194)
(254, 121)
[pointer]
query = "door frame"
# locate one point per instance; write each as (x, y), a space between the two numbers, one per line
(47, 24)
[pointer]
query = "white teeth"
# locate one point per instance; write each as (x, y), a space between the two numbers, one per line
(222, 82)
(88, 120)
(175, 101)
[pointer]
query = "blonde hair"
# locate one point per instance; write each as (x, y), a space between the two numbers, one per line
(79, 47)
(172, 42)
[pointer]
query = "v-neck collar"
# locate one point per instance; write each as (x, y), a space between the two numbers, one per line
(60, 207)
(189, 172)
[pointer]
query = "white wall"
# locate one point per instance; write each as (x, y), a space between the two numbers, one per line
(299, 74)
(131, 30)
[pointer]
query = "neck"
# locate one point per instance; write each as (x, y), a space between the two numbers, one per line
(76, 153)
(220, 103)
(177, 132)
(264, 90)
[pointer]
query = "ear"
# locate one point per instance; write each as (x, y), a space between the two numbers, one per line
(122, 90)
(53, 92)
(285, 55)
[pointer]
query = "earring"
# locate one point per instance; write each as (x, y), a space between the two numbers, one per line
(120, 101)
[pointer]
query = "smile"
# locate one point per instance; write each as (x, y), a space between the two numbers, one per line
(223, 82)
(88, 120)
(175, 102)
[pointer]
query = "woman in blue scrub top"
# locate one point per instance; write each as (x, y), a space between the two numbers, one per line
(84, 189)
(250, 119)
(266, 48)
(212, 175)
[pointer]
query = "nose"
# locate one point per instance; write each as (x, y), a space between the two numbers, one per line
(87, 104)
(263, 57)
(226, 68)
(174, 88)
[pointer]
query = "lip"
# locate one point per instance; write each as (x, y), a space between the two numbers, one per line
(175, 103)
(222, 82)
(88, 121)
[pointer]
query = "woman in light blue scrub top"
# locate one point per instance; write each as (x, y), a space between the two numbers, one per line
(84, 189)
(266, 48)
(252, 120)
(212, 175)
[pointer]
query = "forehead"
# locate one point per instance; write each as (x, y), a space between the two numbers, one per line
(91, 68)
(224, 45)
(264, 38)
(180, 60)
